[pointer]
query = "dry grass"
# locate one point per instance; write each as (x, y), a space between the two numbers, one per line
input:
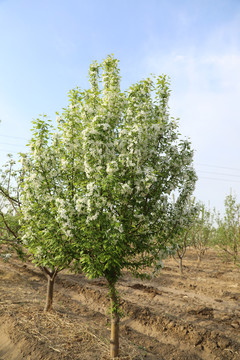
(66, 333)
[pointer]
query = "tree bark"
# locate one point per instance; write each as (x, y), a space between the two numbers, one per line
(114, 341)
(199, 256)
(49, 297)
(51, 276)
(181, 266)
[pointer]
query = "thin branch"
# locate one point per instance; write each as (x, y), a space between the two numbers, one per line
(10, 198)
(7, 226)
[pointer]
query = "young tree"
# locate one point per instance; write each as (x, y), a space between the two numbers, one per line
(228, 231)
(202, 231)
(47, 191)
(133, 160)
(9, 211)
(183, 238)
(100, 189)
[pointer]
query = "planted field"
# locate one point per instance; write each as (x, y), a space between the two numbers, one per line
(191, 316)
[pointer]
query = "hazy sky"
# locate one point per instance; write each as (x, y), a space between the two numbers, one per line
(47, 46)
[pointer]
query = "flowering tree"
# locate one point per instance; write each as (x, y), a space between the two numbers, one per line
(133, 160)
(9, 210)
(99, 190)
(47, 191)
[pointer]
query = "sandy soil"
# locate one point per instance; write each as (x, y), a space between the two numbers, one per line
(171, 317)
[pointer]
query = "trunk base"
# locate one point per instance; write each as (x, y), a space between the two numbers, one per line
(114, 343)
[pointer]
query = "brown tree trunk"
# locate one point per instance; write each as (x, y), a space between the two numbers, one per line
(49, 297)
(180, 266)
(114, 342)
(51, 276)
(199, 256)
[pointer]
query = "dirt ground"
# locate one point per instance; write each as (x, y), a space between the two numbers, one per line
(171, 317)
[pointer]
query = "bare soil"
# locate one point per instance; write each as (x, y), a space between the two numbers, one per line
(194, 316)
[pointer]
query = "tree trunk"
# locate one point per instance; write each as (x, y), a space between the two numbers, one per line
(180, 266)
(49, 297)
(199, 255)
(51, 276)
(114, 342)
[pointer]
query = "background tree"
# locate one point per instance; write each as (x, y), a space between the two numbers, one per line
(183, 238)
(202, 231)
(10, 240)
(228, 231)
(47, 191)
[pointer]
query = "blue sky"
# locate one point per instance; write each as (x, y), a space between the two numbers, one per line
(47, 46)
